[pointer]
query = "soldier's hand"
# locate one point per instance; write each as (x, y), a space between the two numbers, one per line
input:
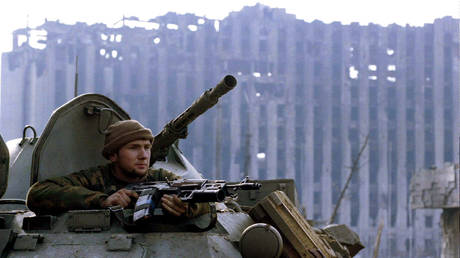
(173, 205)
(122, 197)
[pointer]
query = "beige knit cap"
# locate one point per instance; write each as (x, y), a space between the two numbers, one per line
(123, 132)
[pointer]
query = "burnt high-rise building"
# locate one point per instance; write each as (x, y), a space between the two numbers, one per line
(308, 97)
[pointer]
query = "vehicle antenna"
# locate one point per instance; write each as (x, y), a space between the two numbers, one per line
(75, 91)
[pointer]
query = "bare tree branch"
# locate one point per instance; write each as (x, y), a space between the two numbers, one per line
(377, 240)
(355, 167)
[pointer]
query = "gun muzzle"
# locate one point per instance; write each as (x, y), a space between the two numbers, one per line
(250, 186)
(245, 186)
(224, 86)
(204, 102)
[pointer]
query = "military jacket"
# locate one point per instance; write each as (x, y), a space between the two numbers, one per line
(87, 189)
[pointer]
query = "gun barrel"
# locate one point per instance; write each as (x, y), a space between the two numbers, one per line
(246, 186)
(176, 128)
(203, 103)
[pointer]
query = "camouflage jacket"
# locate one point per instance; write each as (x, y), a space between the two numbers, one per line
(87, 189)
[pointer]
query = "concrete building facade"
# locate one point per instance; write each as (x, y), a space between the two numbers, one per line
(308, 95)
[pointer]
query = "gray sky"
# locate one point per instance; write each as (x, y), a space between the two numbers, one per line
(18, 13)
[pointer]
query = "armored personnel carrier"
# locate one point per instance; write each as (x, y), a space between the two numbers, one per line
(72, 141)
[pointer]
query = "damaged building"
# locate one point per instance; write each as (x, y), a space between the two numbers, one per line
(308, 95)
(439, 188)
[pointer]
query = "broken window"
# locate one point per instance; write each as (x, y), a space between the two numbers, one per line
(373, 96)
(354, 93)
(354, 113)
(317, 69)
(282, 36)
(190, 45)
(318, 116)
(245, 43)
(263, 47)
(318, 157)
(60, 90)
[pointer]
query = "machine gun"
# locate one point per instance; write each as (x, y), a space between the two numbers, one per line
(177, 128)
(188, 190)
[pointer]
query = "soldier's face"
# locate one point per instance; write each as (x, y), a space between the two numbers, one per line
(133, 158)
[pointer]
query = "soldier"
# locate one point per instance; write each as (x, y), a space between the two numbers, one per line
(127, 146)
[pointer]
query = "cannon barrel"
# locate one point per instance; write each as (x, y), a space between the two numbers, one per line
(177, 127)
